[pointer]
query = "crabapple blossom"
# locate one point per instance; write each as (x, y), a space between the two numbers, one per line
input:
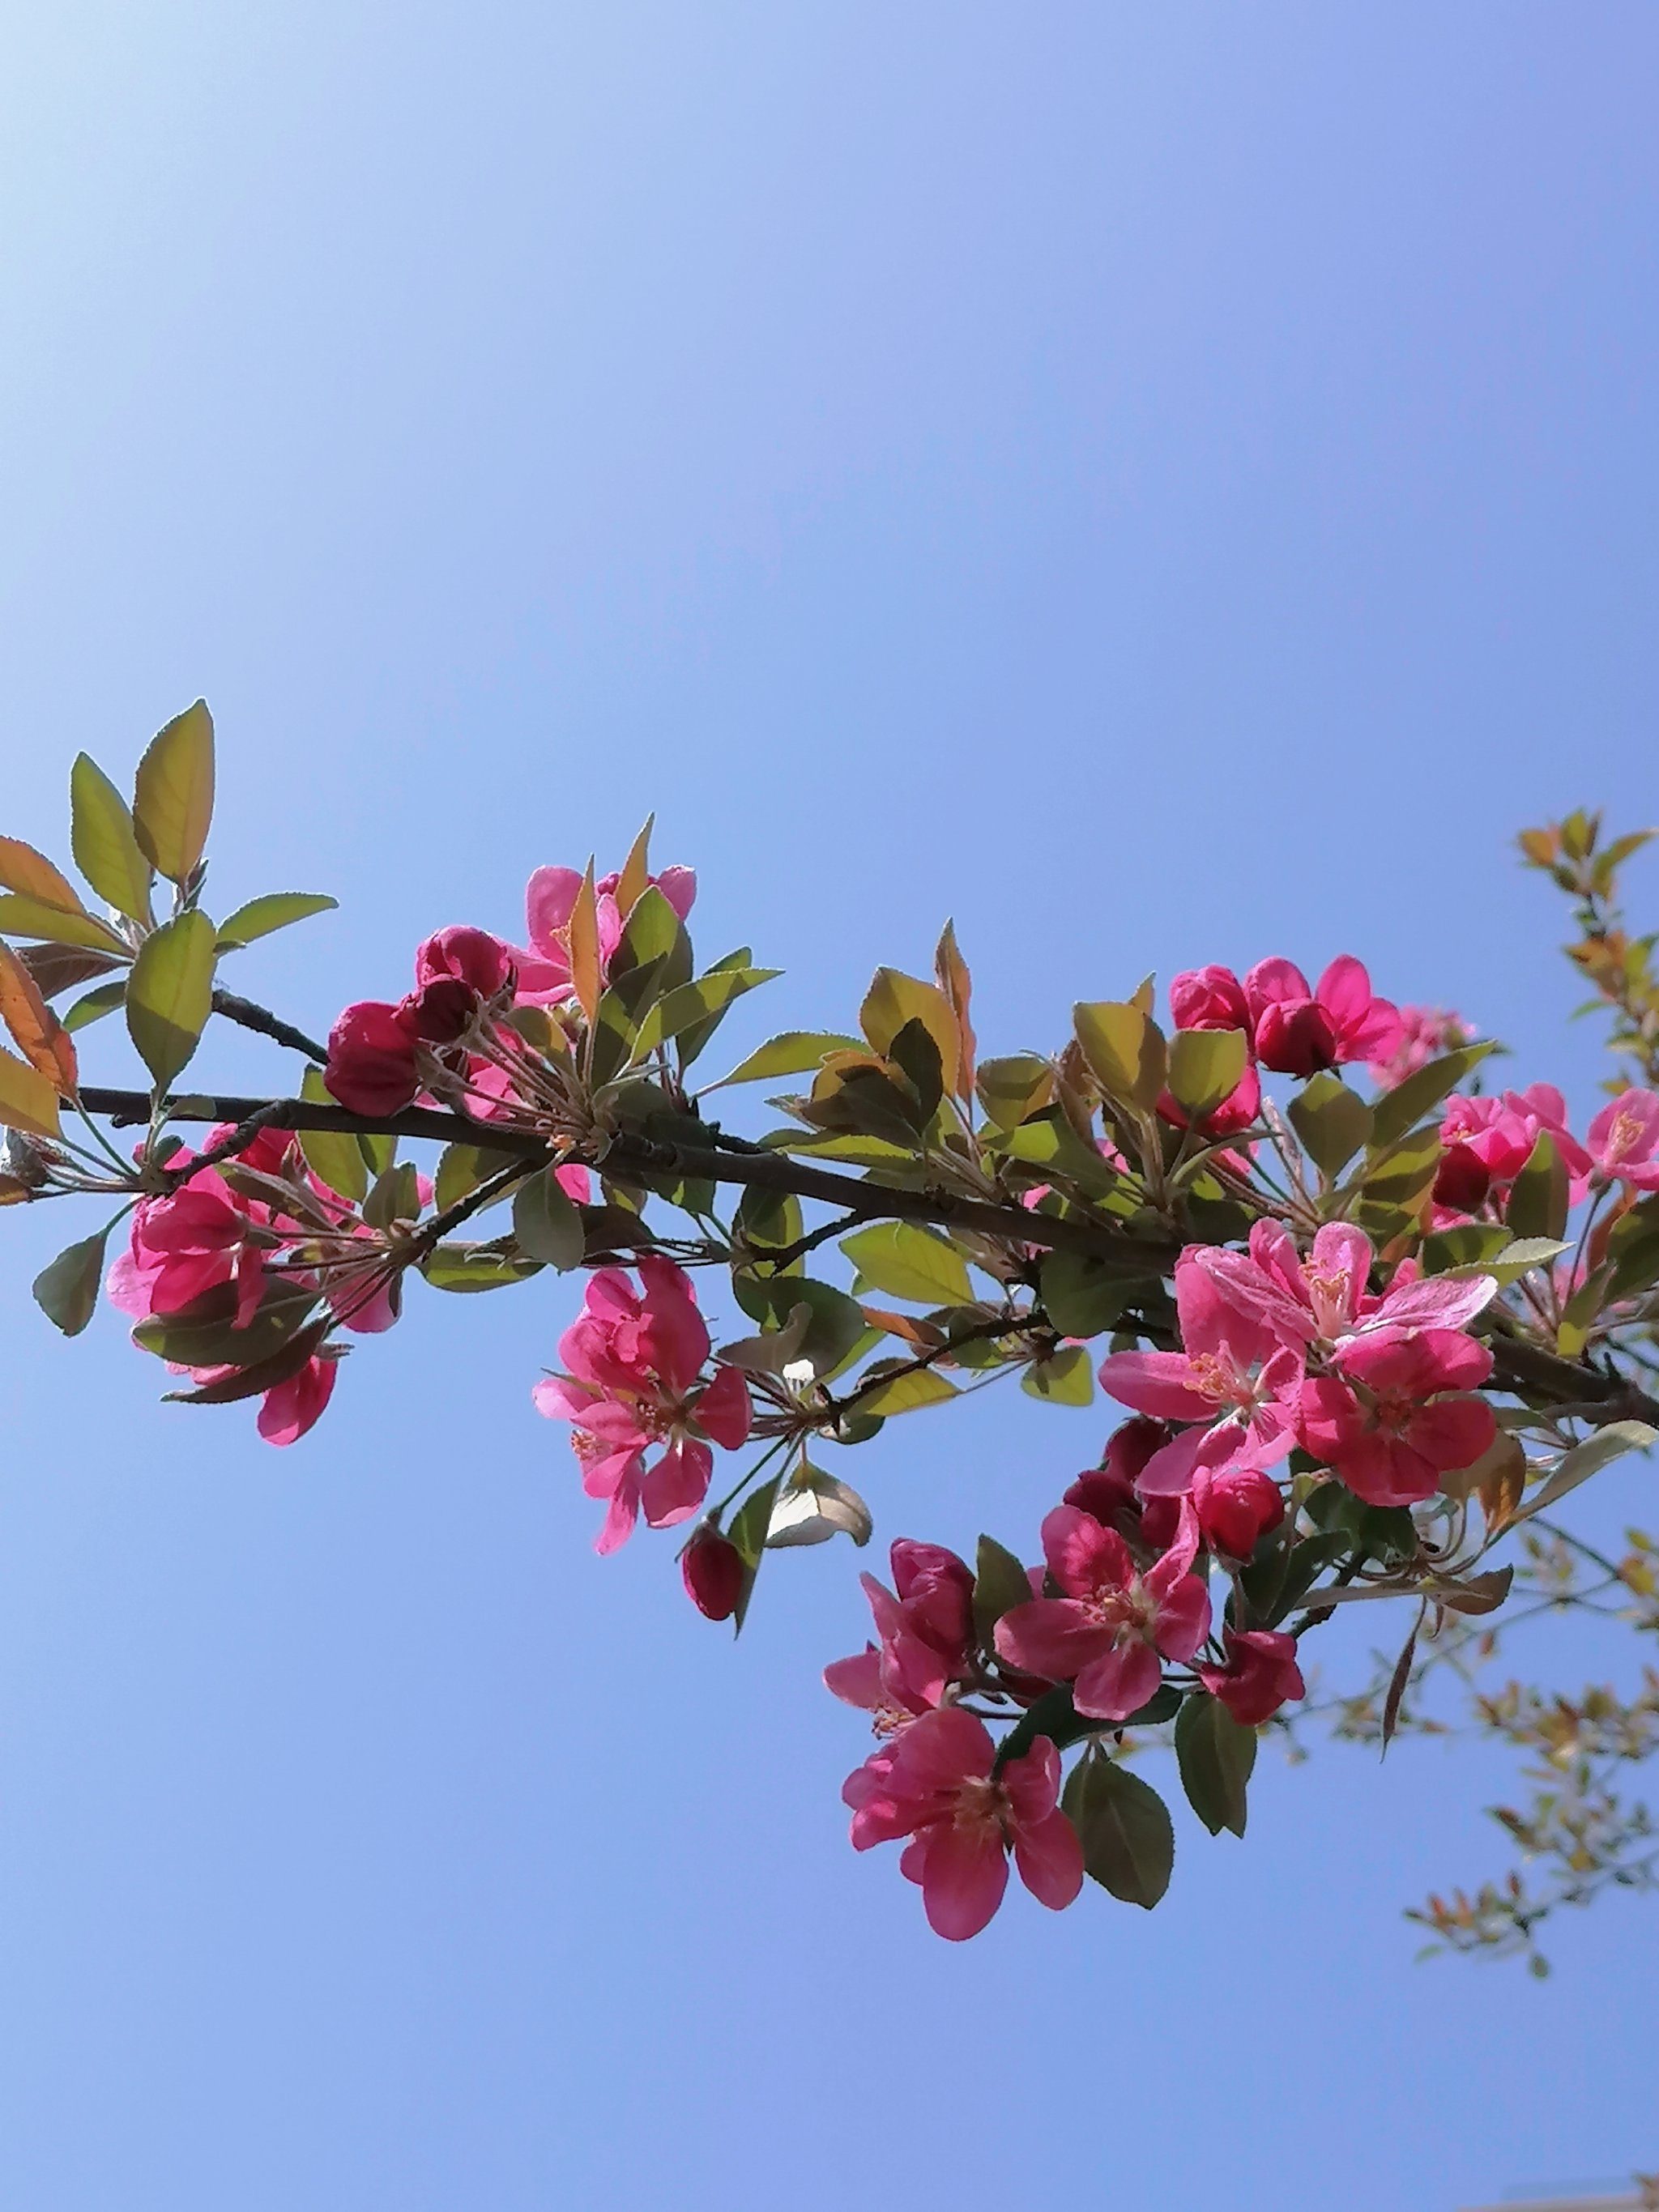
(1397, 1416)
(1261, 1674)
(633, 1383)
(1623, 1138)
(1105, 1635)
(937, 1783)
(1299, 1029)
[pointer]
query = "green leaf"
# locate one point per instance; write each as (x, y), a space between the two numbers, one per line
(908, 1261)
(894, 999)
(650, 934)
(1066, 1379)
(1581, 1312)
(334, 1155)
(66, 1291)
(456, 1266)
(1082, 1296)
(906, 1393)
(790, 1053)
(747, 1533)
(395, 1196)
(1332, 1122)
(28, 1101)
(1125, 1050)
(837, 1326)
(170, 994)
(1587, 1459)
(547, 1223)
(95, 1005)
(1413, 1101)
(23, 916)
(1013, 1087)
(999, 1584)
(695, 1002)
(1123, 1824)
(204, 1333)
(252, 1381)
(107, 851)
(1470, 1244)
(1050, 1142)
(813, 1507)
(1540, 1198)
(1402, 1175)
(1215, 1754)
(461, 1169)
(769, 1220)
(172, 803)
(275, 910)
(1206, 1067)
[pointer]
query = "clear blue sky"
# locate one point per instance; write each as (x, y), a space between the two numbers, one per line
(1161, 483)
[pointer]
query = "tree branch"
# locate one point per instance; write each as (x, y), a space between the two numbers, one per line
(244, 1013)
(1143, 1258)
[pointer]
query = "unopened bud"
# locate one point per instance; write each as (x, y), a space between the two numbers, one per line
(711, 1568)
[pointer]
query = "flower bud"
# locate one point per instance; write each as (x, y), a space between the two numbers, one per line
(712, 1569)
(1295, 1037)
(1463, 1179)
(441, 1012)
(371, 1059)
(1236, 1508)
(470, 956)
(1209, 998)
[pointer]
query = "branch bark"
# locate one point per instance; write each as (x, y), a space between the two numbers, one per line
(760, 1169)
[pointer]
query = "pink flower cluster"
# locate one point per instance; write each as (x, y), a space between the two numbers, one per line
(1279, 1349)
(374, 1048)
(1488, 1141)
(633, 1384)
(1293, 1027)
(205, 1236)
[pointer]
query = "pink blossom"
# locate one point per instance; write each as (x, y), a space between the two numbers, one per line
(1259, 1677)
(926, 1635)
(937, 1783)
(292, 1407)
(632, 1362)
(1298, 1029)
(549, 902)
(1323, 1299)
(1543, 1104)
(1426, 1033)
(1235, 1507)
(1105, 1634)
(1622, 1137)
(184, 1245)
(1209, 998)
(465, 955)
(371, 1059)
(1232, 1369)
(1395, 1419)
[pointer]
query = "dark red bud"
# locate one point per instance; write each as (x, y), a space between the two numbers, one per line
(371, 1059)
(713, 1571)
(1463, 1180)
(1295, 1037)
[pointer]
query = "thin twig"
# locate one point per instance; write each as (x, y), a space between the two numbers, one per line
(260, 1020)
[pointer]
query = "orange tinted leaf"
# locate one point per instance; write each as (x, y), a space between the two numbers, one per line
(585, 946)
(635, 873)
(37, 1031)
(957, 986)
(28, 1100)
(23, 869)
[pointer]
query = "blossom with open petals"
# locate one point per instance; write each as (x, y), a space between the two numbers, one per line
(633, 1362)
(1321, 1298)
(1623, 1139)
(1396, 1417)
(1261, 1674)
(937, 1783)
(1105, 1633)
(1300, 1027)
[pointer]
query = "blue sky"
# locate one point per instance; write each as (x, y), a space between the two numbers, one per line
(1159, 484)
